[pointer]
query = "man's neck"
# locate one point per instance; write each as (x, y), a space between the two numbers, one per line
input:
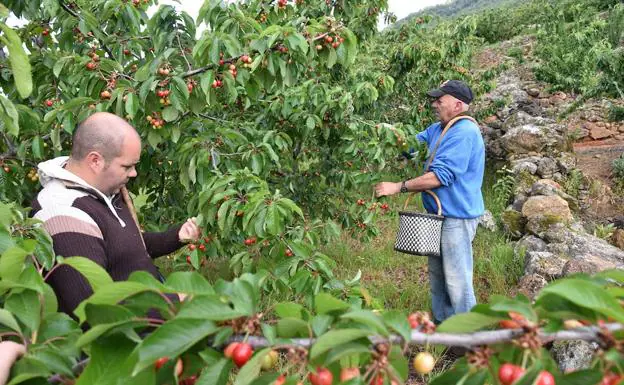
(445, 122)
(78, 170)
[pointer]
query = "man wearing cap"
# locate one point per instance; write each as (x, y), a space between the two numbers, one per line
(455, 175)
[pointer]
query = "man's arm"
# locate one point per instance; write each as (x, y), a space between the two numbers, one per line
(424, 182)
(166, 242)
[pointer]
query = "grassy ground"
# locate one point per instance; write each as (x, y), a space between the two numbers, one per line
(400, 281)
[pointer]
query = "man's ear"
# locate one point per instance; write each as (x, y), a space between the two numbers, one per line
(95, 161)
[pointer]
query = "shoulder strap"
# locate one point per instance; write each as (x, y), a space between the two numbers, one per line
(448, 125)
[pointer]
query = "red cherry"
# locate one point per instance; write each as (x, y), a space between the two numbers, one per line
(280, 380)
(506, 373)
(191, 247)
(189, 380)
(90, 66)
(202, 247)
(379, 380)
(229, 350)
(188, 259)
(545, 378)
(611, 379)
(518, 372)
(321, 377)
(49, 103)
(508, 324)
(242, 354)
(160, 362)
(413, 320)
(45, 32)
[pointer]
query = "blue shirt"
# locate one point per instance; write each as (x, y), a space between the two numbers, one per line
(459, 164)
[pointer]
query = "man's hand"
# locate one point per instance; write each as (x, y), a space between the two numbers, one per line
(189, 232)
(9, 352)
(387, 188)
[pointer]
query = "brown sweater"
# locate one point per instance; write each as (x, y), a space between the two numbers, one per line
(83, 222)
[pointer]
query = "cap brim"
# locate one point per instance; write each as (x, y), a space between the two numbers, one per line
(435, 93)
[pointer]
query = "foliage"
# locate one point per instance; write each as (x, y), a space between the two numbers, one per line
(574, 182)
(503, 189)
(576, 53)
(603, 231)
(618, 173)
(197, 329)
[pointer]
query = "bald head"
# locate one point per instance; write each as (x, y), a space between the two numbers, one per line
(101, 132)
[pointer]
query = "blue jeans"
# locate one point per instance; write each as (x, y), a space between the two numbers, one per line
(450, 275)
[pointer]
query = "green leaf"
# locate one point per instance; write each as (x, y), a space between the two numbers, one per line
(326, 303)
(171, 339)
(20, 65)
(292, 327)
(170, 114)
(26, 306)
(507, 305)
(216, 374)
(368, 318)
(334, 338)
(96, 332)
(289, 309)
(111, 363)
(110, 295)
(210, 307)
(37, 147)
(346, 350)
(12, 262)
(273, 220)
(331, 58)
(467, 322)
(398, 322)
(95, 274)
(9, 116)
(60, 63)
(132, 104)
(586, 294)
(7, 319)
(188, 282)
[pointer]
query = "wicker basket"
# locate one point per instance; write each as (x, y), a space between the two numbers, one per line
(420, 233)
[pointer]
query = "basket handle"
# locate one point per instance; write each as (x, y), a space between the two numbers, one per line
(435, 197)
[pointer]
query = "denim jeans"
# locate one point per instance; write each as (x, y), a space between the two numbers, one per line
(450, 275)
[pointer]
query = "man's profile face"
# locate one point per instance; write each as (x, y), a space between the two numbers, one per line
(446, 107)
(118, 171)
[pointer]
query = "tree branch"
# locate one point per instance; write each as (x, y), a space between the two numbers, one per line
(76, 15)
(590, 333)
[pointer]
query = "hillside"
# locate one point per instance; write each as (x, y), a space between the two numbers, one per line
(456, 8)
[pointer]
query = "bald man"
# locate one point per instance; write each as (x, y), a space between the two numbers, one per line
(84, 211)
(455, 174)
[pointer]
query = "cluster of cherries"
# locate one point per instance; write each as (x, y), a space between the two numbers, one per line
(334, 41)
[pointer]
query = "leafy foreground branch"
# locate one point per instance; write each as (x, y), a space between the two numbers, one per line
(228, 332)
